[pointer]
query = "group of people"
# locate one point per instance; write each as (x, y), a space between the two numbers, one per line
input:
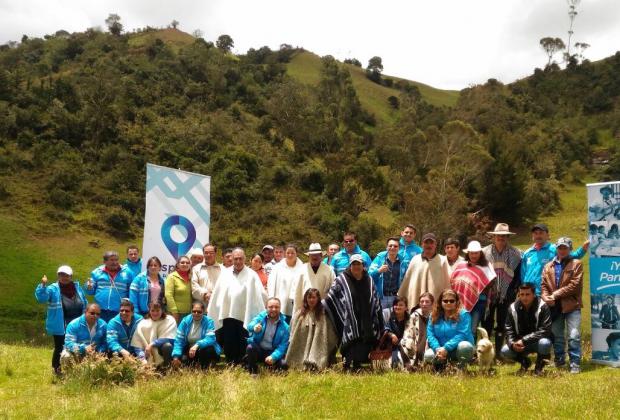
(283, 313)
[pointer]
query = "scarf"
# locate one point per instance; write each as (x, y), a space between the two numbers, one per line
(67, 290)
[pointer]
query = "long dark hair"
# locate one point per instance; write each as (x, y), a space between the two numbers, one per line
(439, 313)
(482, 261)
(318, 309)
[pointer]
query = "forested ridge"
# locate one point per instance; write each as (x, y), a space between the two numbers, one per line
(81, 114)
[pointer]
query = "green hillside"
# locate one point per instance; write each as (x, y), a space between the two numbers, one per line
(306, 67)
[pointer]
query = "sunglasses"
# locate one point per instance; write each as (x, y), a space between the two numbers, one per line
(196, 312)
(349, 241)
(95, 313)
(449, 300)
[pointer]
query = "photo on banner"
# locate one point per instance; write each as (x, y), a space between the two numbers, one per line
(604, 235)
(177, 214)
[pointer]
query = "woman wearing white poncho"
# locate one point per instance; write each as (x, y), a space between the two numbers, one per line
(154, 337)
(283, 280)
(237, 298)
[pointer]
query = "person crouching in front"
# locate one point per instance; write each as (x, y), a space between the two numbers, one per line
(269, 338)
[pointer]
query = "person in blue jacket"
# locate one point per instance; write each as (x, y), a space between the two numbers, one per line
(65, 301)
(340, 261)
(387, 271)
(268, 341)
(539, 254)
(85, 335)
(133, 262)
(408, 246)
(109, 283)
(121, 329)
(148, 286)
(449, 333)
(195, 342)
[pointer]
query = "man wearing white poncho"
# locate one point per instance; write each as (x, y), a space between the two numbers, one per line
(283, 280)
(237, 298)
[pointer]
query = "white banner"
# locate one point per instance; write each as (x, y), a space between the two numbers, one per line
(177, 214)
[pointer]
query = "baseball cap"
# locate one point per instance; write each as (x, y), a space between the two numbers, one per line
(356, 258)
(564, 241)
(64, 269)
(429, 237)
(540, 226)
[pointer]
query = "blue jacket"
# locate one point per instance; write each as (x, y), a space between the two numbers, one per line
(280, 338)
(378, 277)
(107, 296)
(448, 334)
(55, 321)
(134, 267)
(407, 252)
(340, 262)
(117, 338)
(207, 335)
(534, 261)
(139, 293)
(77, 336)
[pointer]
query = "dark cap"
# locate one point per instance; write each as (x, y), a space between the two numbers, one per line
(429, 236)
(540, 226)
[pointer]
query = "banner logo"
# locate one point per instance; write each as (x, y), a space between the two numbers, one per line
(178, 249)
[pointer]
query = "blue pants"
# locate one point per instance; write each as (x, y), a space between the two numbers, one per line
(463, 354)
(568, 324)
(542, 348)
(477, 315)
(257, 354)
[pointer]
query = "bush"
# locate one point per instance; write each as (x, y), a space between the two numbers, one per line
(97, 370)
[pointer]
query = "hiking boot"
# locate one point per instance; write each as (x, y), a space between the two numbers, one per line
(575, 368)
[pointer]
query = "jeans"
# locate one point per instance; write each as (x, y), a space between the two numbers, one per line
(387, 301)
(59, 343)
(463, 354)
(232, 337)
(205, 357)
(542, 348)
(570, 321)
(477, 315)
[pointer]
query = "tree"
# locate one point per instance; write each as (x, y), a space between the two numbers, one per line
(114, 24)
(551, 46)
(353, 61)
(394, 102)
(225, 43)
(572, 13)
(174, 23)
(375, 64)
(197, 34)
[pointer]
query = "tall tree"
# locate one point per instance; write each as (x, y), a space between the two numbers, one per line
(174, 23)
(551, 46)
(225, 43)
(114, 24)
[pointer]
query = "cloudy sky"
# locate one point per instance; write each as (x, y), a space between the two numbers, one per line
(445, 43)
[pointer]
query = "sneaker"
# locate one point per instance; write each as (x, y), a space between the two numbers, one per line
(574, 368)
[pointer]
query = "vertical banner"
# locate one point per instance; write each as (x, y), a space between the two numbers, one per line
(603, 226)
(177, 214)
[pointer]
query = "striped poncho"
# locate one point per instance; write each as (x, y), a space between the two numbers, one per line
(468, 281)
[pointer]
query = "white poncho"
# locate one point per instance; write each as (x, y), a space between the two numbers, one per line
(148, 331)
(282, 283)
(239, 296)
(308, 279)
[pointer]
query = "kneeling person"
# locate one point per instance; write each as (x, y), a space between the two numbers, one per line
(121, 329)
(528, 329)
(85, 335)
(195, 341)
(154, 337)
(269, 337)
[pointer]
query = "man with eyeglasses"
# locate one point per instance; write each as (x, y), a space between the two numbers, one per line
(340, 262)
(387, 271)
(205, 275)
(269, 337)
(85, 335)
(408, 246)
(121, 329)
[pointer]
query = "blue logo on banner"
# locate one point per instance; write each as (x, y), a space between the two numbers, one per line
(178, 249)
(605, 275)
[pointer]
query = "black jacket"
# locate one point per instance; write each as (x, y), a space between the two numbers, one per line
(529, 326)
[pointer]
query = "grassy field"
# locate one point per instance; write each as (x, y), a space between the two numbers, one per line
(306, 67)
(27, 388)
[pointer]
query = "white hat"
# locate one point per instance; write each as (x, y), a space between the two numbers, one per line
(267, 247)
(65, 269)
(501, 229)
(315, 248)
(195, 251)
(473, 246)
(356, 258)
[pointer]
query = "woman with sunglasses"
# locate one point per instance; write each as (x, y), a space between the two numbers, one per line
(195, 343)
(147, 287)
(448, 333)
(154, 337)
(85, 335)
(65, 301)
(179, 289)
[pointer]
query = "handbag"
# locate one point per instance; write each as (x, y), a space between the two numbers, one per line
(381, 356)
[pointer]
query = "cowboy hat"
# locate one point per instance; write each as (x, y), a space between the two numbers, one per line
(501, 229)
